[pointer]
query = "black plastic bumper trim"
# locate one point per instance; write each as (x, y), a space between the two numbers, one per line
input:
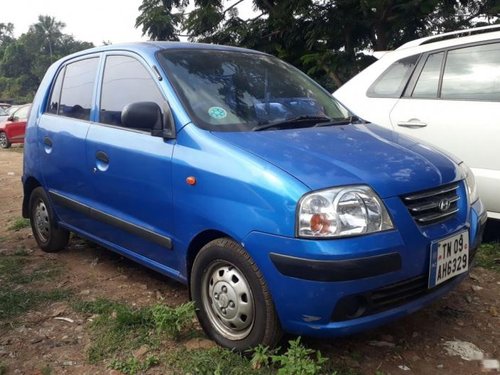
(112, 220)
(336, 270)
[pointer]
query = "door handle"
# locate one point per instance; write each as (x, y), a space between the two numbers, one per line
(47, 142)
(47, 145)
(102, 157)
(413, 123)
(102, 161)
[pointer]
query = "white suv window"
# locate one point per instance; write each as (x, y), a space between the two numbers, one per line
(428, 82)
(472, 73)
(393, 81)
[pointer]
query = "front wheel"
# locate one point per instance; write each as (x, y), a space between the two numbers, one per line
(4, 141)
(48, 235)
(234, 306)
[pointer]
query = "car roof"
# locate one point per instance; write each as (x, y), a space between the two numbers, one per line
(455, 37)
(151, 47)
(440, 41)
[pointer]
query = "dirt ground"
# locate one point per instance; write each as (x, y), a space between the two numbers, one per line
(413, 345)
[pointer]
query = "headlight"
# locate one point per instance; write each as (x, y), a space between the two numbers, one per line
(339, 212)
(470, 183)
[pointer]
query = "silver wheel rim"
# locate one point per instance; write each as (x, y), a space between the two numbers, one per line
(42, 223)
(3, 140)
(228, 300)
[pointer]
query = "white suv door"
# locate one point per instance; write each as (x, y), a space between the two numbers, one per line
(453, 101)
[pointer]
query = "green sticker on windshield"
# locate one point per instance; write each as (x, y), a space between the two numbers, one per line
(217, 113)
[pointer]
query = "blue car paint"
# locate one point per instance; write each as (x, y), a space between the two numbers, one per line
(248, 186)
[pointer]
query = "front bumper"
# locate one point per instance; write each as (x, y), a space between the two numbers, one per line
(316, 283)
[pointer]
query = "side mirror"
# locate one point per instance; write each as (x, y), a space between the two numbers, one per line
(11, 118)
(147, 116)
(142, 115)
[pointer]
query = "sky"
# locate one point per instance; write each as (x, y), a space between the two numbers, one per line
(88, 20)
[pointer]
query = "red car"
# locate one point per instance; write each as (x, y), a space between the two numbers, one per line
(12, 130)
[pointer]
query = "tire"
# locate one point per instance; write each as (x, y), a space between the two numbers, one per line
(48, 235)
(4, 141)
(232, 301)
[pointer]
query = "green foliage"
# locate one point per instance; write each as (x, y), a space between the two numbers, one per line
(327, 39)
(213, 361)
(119, 327)
(24, 61)
(299, 360)
(488, 256)
(99, 306)
(15, 300)
(261, 356)
(173, 321)
(296, 360)
(46, 370)
(3, 369)
(132, 365)
(19, 223)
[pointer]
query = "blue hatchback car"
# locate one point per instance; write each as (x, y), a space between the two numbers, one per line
(233, 172)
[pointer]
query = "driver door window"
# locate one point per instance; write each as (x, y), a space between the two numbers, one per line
(125, 81)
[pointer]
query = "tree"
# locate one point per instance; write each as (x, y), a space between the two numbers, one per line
(24, 61)
(327, 39)
(157, 19)
(49, 30)
(6, 33)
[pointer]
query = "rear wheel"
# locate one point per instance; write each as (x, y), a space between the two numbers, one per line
(4, 141)
(233, 303)
(48, 235)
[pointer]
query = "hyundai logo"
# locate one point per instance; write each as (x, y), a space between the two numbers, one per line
(444, 204)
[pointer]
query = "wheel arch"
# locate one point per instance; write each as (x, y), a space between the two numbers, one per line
(29, 185)
(197, 243)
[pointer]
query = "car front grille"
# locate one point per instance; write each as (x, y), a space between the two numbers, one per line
(433, 206)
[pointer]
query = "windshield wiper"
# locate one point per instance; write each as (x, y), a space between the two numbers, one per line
(341, 121)
(291, 121)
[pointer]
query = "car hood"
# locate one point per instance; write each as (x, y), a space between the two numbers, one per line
(392, 164)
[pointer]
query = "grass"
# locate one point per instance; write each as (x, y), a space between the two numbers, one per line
(3, 369)
(118, 329)
(14, 303)
(132, 365)
(19, 223)
(19, 291)
(211, 361)
(295, 359)
(488, 256)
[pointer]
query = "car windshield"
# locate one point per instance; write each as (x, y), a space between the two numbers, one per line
(2, 112)
(243, 91)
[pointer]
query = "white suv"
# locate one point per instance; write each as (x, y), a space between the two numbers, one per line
(445, 90)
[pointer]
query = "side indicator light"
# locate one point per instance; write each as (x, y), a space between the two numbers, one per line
(191, 180)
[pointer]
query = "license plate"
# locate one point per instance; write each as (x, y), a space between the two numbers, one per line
(449, 257)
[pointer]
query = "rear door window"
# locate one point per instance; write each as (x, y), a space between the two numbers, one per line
(77, 89)
(393, 81)
(472, 73)
(53, 105)
(428, 82)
